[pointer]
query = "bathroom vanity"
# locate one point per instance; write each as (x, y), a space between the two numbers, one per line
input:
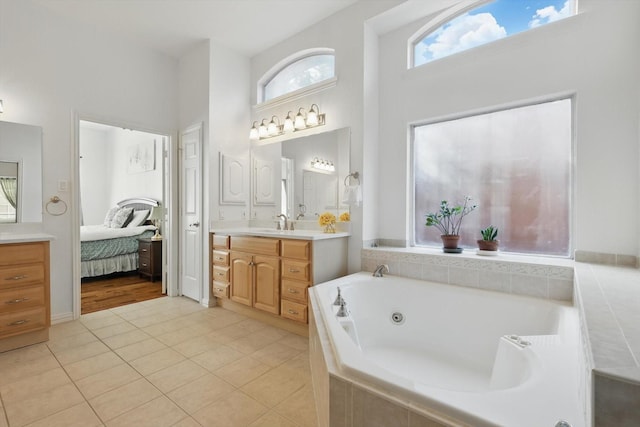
(271, 270)
(24, 291)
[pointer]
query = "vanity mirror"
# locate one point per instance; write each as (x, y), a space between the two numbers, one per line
(300, 177)
(20, 173)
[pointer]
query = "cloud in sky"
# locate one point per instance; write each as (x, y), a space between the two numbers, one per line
(551, 14)
(462, 33)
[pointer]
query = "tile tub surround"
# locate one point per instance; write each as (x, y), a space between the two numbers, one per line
(539, 277)
(164, 362)
(609, 302)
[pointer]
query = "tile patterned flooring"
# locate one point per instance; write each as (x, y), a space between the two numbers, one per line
(162, 362)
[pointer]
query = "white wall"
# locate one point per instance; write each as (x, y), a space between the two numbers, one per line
(343, 104)
(53, 67)
(95, 162)
(593, 55)
(104, 176)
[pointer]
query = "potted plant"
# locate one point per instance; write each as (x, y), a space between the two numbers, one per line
(448, 220)
(489, 241)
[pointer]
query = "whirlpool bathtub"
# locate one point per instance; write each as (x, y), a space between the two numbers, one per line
(461, 356)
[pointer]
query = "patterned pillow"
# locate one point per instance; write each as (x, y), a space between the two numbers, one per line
(121, 217)
(109, 217)
(138, 218)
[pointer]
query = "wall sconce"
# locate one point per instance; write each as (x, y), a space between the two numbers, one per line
(300, 121)
(323, 165)
(1, 107)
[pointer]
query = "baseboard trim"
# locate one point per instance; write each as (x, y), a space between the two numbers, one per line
(61, 318)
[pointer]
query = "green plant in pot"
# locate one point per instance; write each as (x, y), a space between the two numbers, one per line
(489, 240)
(448, 220)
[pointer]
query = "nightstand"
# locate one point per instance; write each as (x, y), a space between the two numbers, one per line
(150, 258)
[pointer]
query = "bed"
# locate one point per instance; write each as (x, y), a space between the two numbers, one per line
(112, 247)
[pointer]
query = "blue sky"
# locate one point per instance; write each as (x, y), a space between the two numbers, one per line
(493, 21)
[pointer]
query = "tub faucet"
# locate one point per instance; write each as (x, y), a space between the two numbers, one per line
(342, 311)
(380, 269)
(284, 217)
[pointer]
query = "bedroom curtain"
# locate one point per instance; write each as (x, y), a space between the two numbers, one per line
(9, 186)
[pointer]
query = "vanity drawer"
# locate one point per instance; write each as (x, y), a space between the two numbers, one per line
(21, 298)
(220, 257)
(22, 253)
(221, 290)
(256, 245)
(14, 323)
(296, 291)
(293, 310)
(296, 249)
(221, 274)
(220, 241)
(12, 277)
(297, 270)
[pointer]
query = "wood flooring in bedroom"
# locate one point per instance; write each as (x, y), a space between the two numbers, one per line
(117, 290)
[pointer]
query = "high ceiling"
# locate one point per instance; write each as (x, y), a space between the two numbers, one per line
(174, 26)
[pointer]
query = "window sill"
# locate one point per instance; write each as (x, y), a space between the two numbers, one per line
(297, 94)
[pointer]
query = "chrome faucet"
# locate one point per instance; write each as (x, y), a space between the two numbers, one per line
(284, 217)
(382, 268)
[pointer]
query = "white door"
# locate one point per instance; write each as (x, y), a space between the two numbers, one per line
(190, 213)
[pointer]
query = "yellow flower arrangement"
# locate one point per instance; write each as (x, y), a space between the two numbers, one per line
(345, 217)
(328, 221)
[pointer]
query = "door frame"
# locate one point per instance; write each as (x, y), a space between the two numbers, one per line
(170, 191)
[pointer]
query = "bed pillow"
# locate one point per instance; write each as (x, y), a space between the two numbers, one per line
(138, 218)
(109, 217)
(121, 218)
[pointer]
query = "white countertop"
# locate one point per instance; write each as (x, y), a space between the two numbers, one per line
(24, 237)
(286, 234)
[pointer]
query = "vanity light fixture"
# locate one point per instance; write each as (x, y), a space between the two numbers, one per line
(312, 116)
(253, 133)
(262, 130)
(324, 165)
(288, 123)
(301, 121)
(274, 129)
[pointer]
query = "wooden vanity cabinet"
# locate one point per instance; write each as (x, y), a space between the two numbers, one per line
(255, 273)
(25, 314)
(296, 276)
(220, 266)
(274, 274)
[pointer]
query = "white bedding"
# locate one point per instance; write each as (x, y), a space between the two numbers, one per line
(100, 232)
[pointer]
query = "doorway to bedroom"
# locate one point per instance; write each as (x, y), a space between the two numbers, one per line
(121, 202)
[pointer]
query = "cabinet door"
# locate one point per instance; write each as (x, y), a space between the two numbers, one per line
(267, 284)
(241, 278)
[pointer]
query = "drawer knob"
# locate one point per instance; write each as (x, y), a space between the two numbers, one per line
(219, 258)
(144, 264)
(144, 250)
(16, 301)
(293, 312)
(293, 270)
(20, 277)
(17, 322)
(293, 291)
(220, 274)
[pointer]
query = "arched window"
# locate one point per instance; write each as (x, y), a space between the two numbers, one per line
(297, 72)
(470, 27)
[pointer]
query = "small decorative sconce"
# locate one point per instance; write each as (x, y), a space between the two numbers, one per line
(1, 107)
(301, 121)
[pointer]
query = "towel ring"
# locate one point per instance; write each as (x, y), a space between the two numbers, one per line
(355, 176)
(56, 200)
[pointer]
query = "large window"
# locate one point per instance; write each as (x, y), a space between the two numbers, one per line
(515, 164)
(484, 24)
(299, 73)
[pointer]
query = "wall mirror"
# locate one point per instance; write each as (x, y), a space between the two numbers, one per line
(20, 173)
(300, 177)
